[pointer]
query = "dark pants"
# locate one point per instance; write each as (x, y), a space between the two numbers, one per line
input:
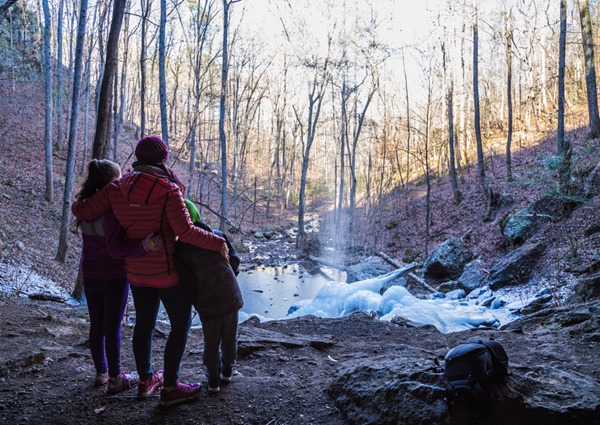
(220, 333)
(147, 301)
(106, 301)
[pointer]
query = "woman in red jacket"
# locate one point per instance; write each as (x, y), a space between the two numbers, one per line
(150, 199)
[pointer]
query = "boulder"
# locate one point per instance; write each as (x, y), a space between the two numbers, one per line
(520, 227)
(515, 268)
(385, 390)
(367, 269)
(588, 288)
(446, 261)
(448, 286)
(554, 376)
(472, 276)
(525, 223)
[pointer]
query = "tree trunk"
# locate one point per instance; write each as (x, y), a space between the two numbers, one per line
(480, 159)
(103, 13)
(590, 67)
(449, 98)
(315, 100)
(342, 165)
(119, 117)
(49, 194)
(427, 173)
(162, 79)
(452, 156)
(352, 152)
(72, 28)
(564, 144)
(222, 138)
(509, 72)
(70, 173)
(408, 123)
(112, 56)
(88, 88)
(115, 115)
(146, 7)
(59, 75)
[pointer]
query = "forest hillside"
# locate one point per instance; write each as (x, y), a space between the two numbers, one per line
(378, 114)
(30, 226)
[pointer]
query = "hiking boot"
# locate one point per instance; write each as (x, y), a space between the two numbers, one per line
(101, 379)
(123, 381)
(147, 388)
(213, 385)
(180, 393)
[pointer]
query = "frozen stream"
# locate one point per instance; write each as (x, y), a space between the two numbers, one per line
(269, 292)
(274, 292)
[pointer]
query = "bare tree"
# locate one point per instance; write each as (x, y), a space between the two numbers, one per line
(119, 114)
(564, 144)
(280, 160)
(112, 57)
(222, 137)
(49, 194)
(146, 6)
(88, 88)
(70, 172)
(352, 152)
(480, 159)
(246, 93)
(449, 79)
(408, 119)
(59, 74)
(202, 18)
(101, 50)
(161, 72)
(590, 67)
(315, 100)
(509, 102)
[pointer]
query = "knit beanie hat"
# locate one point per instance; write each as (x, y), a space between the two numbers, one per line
(151, 150)
(194, 213)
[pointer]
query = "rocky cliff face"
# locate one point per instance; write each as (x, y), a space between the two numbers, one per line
(555, 377)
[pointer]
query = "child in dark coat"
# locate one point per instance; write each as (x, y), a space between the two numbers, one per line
(210, 282)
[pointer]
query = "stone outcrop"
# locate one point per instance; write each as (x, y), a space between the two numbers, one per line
(516, 267)
(588, 288)
(552, 356)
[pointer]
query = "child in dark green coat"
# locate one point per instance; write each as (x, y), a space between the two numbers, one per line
(210, 282)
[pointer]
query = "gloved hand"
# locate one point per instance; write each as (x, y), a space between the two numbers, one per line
(152, 242)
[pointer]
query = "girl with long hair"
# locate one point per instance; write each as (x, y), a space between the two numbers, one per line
(104, 279)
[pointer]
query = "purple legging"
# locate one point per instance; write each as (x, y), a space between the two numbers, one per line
(106, 301)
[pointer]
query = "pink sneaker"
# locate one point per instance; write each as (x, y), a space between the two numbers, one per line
(147, 388)
(180, 393)
(123, 381)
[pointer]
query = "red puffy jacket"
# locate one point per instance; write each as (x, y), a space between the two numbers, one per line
(144, 203)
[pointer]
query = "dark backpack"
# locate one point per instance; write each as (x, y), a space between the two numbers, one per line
(468, 368)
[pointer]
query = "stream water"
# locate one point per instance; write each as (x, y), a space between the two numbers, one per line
(269, 292)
